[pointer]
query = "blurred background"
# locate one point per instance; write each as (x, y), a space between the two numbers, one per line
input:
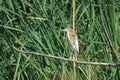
(35, 25)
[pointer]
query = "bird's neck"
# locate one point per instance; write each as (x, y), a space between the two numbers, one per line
(71, 36)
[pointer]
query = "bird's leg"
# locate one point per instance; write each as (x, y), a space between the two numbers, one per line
(71, 56)
(75, 55)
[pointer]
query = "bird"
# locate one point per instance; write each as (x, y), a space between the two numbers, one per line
(72, 40)
(73, 45)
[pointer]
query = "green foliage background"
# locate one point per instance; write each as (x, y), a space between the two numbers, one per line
(44, 36)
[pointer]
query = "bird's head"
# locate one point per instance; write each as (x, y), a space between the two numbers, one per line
(68, 29)
(70, 33)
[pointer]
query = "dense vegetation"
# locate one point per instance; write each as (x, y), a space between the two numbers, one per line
(35, 25)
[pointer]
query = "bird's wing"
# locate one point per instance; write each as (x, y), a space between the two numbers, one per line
(77, 45)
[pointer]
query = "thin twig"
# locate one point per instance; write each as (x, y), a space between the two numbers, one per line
(73, 18)
(73, 25)
(106, 33)
(74, 68)
(65, 59)
(28, 17)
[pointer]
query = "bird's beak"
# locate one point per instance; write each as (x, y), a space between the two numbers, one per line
(63, 30)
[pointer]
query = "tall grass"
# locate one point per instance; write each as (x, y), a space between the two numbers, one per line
(41, 35)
